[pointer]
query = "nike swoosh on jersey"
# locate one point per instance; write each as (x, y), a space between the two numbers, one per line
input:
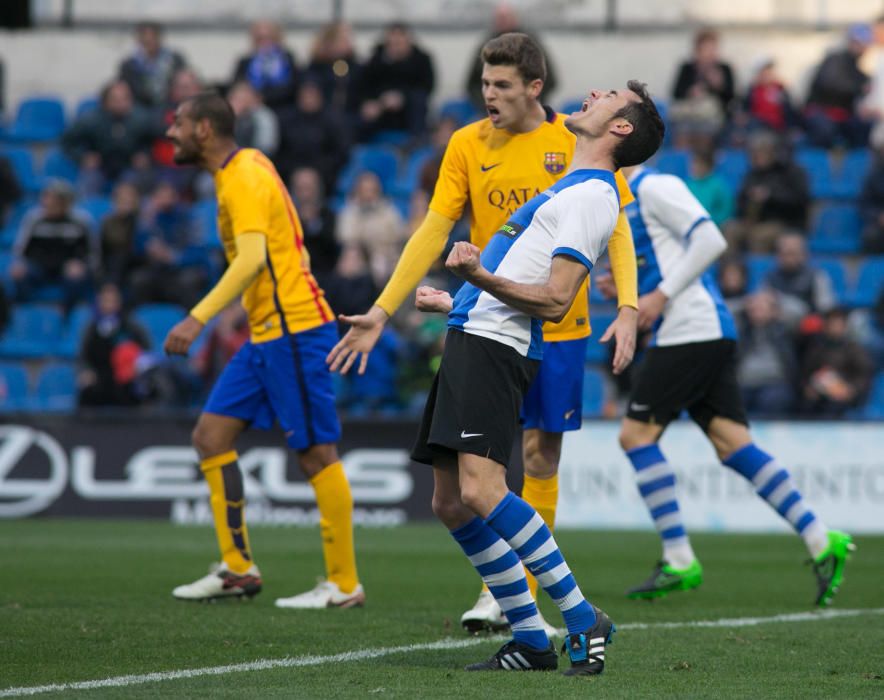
(568, 414)
(486, 168)
(639, 406)
(464, 434)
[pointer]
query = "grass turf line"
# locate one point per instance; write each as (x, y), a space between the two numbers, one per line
(92, 600)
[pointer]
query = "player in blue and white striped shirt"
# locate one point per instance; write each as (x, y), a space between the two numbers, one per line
(529, 272)
(691, 367)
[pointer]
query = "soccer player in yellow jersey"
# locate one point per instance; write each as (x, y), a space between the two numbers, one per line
(498, 164)
(280, 374)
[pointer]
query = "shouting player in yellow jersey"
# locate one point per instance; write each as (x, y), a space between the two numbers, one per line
(498, 164)
(280, 374)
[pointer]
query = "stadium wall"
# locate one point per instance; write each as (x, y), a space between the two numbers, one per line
(128, 467)
(73, 64)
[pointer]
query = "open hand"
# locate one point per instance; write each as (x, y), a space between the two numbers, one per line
(624, 330)
(365, 329)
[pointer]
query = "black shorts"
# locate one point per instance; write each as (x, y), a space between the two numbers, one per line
(700, 378)
(475, 400)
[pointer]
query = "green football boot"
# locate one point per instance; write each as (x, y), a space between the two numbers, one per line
(829, 566)
(665, 579)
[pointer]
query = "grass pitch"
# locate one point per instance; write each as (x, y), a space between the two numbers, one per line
(90, 600)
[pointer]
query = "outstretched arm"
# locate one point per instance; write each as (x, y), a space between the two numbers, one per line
(422, 249)
(251, 257)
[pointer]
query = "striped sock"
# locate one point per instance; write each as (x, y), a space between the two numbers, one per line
(524, 530)
(774, 484)
(504, 575)
(656, 484)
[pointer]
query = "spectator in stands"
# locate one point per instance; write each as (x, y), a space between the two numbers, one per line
(703, 92)
(767, 104)
(185, 83)
(872, 107)
(10, 189)
(803, 288)
(837, 372)
(767, 366)
(709, 187)
(439, 138)
(256, 124)
(773, 198)
(54, 246)
(733, 281)
(313, 136)
(110, 140)
(352, 285)
(317, 220)
(505, 19)
(171, 269)
(228, 333)
(335, 69)
(149, 71)
(370, 219)
(270, 67)
(871, 205)
(112, 346)
(833, 115)
(395, 86)
(117, 235)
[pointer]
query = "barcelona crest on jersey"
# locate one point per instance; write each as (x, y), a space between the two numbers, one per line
(554, 162)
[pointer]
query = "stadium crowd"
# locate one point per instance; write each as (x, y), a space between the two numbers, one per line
(106, 240)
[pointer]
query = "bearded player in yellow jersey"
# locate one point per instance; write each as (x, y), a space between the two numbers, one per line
(498, 164)
(279, 375)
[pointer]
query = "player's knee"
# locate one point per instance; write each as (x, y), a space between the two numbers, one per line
(208, 442)
(448, 509)
(630, 439)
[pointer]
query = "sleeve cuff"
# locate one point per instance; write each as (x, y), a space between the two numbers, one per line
(573, 253)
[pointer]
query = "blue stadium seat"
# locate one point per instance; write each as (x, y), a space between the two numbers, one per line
(836, 230)
(378, 159)
(460, 109)
(834, 267)
(390, 137)
(56, 389)
(409, 176)
(593, 392)
(732, 165)
(596, 352)
(72, 333)
(34, 331)
(37, 119)
(673, 161)
(869, 282)
(158, 320)
(815, 162)
(205, 217)
(84, 106)
(96, 208)
(570, 106)
(58, 165)
(13, 387)
(854, 168)
(757, 267)
(875, 403)
(22, 162)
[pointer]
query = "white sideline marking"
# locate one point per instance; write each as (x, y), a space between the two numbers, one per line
(362, 655)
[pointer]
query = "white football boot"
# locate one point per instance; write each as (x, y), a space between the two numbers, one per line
(221, 582)
(326, 594)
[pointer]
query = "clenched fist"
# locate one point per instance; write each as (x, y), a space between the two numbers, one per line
(464, 259)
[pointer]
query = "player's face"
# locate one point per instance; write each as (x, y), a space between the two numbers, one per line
(182, 134)
(508, 98)
(597, 112)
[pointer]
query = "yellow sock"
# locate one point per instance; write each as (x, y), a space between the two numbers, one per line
(228, 504)
(336, 525)
(543, 495)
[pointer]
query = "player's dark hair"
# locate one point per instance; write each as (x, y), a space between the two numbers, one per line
(517, 50)
(211, 106)
(647, 129)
